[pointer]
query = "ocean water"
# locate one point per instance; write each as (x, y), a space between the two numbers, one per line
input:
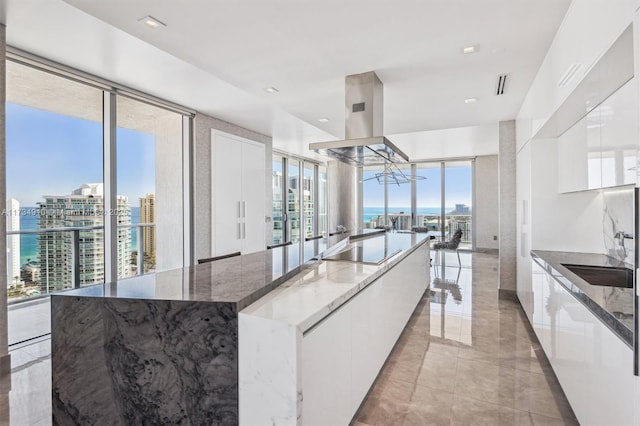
(29, 242)
(373, 212)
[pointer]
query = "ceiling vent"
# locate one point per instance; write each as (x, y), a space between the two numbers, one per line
(501, 82)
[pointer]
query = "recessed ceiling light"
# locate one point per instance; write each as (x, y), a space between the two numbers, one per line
(470, 100)
(469, 49)
(152, 22)
(323, 120)
(271, 89)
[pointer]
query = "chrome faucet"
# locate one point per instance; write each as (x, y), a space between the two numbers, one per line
(620, 236)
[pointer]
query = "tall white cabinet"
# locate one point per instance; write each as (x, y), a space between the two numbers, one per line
(238, 199)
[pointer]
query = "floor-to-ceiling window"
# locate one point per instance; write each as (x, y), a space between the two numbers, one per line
(443, 191)
(57, 137)
(277, 182)
(458, 190)
(309, 199)
(299, 211)
(373, 197)
(323, 220)
(149, 177)
(54, 180)
(293, 200)
(429, 197)
(399, 188)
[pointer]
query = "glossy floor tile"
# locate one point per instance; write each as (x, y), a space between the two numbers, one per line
(466, 358)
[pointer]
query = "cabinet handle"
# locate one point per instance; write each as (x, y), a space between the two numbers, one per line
(238, 209)
(239, 232)
(244, 209)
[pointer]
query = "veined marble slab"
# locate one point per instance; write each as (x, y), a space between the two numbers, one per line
(160, 348)
(132, 361)
(314, 293)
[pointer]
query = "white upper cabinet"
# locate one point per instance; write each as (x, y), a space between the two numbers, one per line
(586, 33)
(600, 150)
(619, 136)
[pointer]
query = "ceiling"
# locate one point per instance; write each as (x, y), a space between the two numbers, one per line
(217, 56)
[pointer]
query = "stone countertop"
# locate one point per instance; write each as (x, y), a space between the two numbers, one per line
(315, 292)
(612, 305)
(240, 280)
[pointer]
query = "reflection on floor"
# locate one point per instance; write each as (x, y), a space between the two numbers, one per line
(29, 397)
(466, 358)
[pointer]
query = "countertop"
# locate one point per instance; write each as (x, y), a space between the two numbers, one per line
(612, 305)
(312, 294)
(240, 280)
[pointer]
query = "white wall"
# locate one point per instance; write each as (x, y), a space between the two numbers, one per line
(486, 202)
(202, 185)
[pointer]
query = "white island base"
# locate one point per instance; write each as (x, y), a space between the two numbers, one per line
(310, 350)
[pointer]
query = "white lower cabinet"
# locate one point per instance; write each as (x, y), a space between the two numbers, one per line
(342, 355)
(593, 365)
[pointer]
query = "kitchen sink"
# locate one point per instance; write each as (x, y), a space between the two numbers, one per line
(610, 276)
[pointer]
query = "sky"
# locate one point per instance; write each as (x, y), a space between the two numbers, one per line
(53, 154)
(457, 190)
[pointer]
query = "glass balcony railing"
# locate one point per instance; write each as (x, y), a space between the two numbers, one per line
(73, 257)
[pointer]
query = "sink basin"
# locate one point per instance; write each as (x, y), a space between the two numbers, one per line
(609, 276)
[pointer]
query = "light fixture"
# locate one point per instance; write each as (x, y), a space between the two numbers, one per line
(271, 89)
(392, 174)
(469, 49)
(152, 22)
(470, 100)
(323, 120)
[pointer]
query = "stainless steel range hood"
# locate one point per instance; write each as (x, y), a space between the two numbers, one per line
(365, 145)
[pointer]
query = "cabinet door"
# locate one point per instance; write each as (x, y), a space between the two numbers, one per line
(619, 136)
(253, 198)
(226, 176)
(579, 162)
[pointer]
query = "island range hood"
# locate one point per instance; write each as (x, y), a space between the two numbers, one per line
(364, 144)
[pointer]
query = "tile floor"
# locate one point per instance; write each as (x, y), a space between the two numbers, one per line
(465, 358)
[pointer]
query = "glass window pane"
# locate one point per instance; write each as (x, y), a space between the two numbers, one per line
(399, 189)
(308, 194)
(428, 197)
(293, 200)
(458, 197)
(373, 197)
(149, 176)
(277, 185)
(322, 201)
(54, 179)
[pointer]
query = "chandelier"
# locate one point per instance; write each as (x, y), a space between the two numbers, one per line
(393, 174)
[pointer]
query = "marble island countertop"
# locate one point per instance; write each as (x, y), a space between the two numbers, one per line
(240, 280)
(312, 294)
(612, 305)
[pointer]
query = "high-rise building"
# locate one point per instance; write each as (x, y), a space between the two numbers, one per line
(13, 242)
(83, 208)
(148, 215)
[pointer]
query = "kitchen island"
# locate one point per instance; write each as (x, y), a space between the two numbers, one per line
(164, 348)
(311, 349)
